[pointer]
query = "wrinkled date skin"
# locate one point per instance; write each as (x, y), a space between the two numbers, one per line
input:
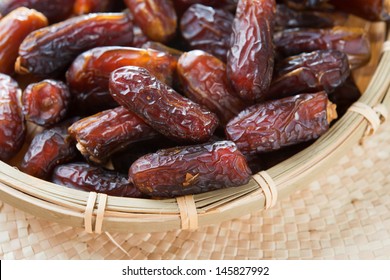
(48, 149)
(160, 106)
(90, 6)
(190, 170)
(290, 18)
(82, 176)
(156, 18)
(373, 10)
(350, 40)
(208, 29)
(271, 125)
(14, 27)
(250, 59)
(89, 73)
(12, 126)
(46, 103)
(54, 10)
(203, 78)
(51, 49)
(309, 72)
(100, 135)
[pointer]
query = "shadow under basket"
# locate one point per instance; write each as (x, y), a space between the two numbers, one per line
(98, 212)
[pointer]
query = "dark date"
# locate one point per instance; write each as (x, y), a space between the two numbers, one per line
(12, 125)
(250, 59)
(160, 106)
(203, 79)
(190, 170)
(208, 29)
(82, 176)
(271, 125)
(46, 103)
(51, 49)
(100, 135)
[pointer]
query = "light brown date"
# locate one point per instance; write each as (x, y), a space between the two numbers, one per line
(100, 135)
(14, 27)
(12, 126)
(190, 170)
(160, 106)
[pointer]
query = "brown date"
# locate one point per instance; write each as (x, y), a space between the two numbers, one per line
(100, 135)
(54, 10)
(190, 170)
(250, 59)
(48, 149)
(182, 5)
(290, 18)
(203, 79)
(208, 29)
(89, 73)
(309, 72)
(82, 176)
(162, 48)
(14, 27)
(46, 103)
(271, 125)
(160, 106)
(12, 126)
(90, 6)
(51, 49)
(156, 18)
(353, 41)
(373, 10)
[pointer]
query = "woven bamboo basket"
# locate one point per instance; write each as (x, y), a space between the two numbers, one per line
(102, 213)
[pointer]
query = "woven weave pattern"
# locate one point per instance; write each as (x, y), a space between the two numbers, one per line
(345, 214)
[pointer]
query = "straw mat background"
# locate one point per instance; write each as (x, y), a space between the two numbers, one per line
(345, 214)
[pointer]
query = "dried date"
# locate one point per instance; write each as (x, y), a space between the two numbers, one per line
(51, 49)
(162, 48)
(373, 10)
(54, 10)
(156, 18)
(12, 126)
(250, 59)
(160, 106)
(90, 6)
(309, 72)
(48, 149)
(353, 41)
(89, 73)
(208, 29)
(82, 176)
(100, 135)
(271, 125)
(190, 170)
(182, 5)
(46, 103)
(203, 79)
(14, 27)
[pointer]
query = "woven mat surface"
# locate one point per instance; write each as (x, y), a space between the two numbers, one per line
(345, 214)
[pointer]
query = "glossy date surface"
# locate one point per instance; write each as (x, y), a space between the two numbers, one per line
(190, 170)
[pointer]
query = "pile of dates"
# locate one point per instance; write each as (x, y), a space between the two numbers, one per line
(164, 98)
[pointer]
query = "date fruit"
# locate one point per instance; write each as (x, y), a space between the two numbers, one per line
(51, 49)
(374, 10)
(203, 79)
(190, 170)
(271, 125)
(12, 126)
(250, 59)
(48, 149)
(82, 176)
(90, 6)
(353, 41)
(14, 27)
(207, 29)
(156, 18)
(46, 103)
(160, 106)
(309, 72)
(100, 135)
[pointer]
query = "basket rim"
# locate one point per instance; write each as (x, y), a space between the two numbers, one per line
(118, 214)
